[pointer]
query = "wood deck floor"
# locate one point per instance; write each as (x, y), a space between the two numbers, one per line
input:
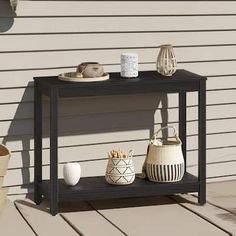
(175, 215)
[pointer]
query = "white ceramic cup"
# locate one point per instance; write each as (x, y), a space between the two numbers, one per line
(129, 65)
(71, 173)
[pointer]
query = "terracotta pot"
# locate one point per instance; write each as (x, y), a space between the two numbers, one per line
(4, 159)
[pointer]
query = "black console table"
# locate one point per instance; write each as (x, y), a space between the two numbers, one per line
(91, 188)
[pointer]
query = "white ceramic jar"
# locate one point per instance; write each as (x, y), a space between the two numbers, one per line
(71, 173)
(129, 65)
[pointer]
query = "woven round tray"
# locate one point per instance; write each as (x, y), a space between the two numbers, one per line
(71, 77)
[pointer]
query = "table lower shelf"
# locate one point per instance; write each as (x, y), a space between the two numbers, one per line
(92, 188)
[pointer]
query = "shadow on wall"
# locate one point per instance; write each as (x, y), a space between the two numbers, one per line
(6, 15)
(15, 133)
(21, 129)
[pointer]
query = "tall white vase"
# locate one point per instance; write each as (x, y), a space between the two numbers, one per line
(71, 173)
(166, 61)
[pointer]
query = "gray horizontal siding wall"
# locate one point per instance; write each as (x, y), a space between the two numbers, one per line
(51, 37)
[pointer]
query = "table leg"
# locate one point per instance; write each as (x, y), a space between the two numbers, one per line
(202, 142)
(54, 151)
(182, 123)
(37, 143)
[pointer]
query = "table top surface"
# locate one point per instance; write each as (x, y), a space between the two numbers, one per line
(144, 78)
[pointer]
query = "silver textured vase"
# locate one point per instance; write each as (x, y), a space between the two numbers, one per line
(166, 61)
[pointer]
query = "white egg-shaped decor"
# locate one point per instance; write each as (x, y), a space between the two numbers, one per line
(71, 173)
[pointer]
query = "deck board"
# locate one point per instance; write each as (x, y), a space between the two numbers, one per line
(41, 220)
(162, 215)
(175, 215)
(90, 223)
(12, 223)
(223, 194)
(218, 216)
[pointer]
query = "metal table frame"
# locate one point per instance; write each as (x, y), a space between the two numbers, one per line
(147, 82)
